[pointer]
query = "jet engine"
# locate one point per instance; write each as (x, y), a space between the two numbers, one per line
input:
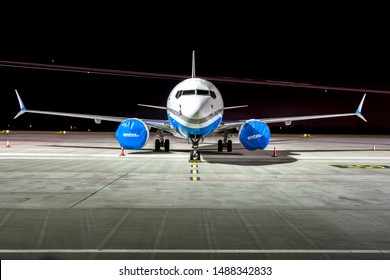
(132, 134)
(254, 135)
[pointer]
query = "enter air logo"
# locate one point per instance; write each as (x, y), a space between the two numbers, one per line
(255, 136)
(131, 135)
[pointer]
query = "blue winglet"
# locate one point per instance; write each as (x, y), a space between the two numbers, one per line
(359, 109)
(22, 107)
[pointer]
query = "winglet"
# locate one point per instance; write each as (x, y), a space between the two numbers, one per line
(193, 65)
(359, 109)
(22, 107)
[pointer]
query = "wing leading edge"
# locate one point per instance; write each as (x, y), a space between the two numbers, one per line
(165, 125)
(159, 124)
(227, 125)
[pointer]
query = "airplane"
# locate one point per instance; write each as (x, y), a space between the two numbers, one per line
(194, 110)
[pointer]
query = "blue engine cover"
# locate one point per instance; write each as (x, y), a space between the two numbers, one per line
(132, 134)
(254, 135)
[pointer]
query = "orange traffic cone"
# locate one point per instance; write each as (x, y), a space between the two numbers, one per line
(8, 145)
(274, 153)
(122, 152)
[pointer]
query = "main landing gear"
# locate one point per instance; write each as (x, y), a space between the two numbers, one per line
(225, 143)
(161, 143)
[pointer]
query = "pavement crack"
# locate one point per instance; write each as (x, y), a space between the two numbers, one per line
(208, 229)
(160, 232)
(249, 228)
(111, 233)
(43, 231)
(6, 218)
(102, 188)
(307, 239)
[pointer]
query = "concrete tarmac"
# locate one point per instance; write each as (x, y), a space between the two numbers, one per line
(72, 196)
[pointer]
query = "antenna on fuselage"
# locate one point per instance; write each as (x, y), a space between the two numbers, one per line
(193, 64)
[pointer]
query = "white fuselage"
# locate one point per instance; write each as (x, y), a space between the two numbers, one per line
(195, 107)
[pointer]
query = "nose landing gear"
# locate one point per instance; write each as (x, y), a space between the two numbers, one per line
(195, 154)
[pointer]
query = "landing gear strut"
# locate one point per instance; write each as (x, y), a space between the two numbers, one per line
(225, 143)
(195, 138)
(160, 142)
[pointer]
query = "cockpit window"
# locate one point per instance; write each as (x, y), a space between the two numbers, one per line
(198, 92)
(206, 93)
(202, 92)
(188, 92)
(184, 92)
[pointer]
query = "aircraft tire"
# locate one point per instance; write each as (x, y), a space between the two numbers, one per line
(220, 146)
(166, 145)
(229, 146)
(157, 145)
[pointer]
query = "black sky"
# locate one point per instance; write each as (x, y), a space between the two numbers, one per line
(329, 48)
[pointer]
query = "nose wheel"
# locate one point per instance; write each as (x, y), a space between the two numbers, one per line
(194, 155)
(195, 139)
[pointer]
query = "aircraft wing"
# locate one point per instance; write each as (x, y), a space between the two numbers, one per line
(159, 124)
(227, 125)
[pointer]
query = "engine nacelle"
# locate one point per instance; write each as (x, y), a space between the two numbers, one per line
(132, 134)
(254, 135)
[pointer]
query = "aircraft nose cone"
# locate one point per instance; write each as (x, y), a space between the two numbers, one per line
(192, 113)
(194, 109)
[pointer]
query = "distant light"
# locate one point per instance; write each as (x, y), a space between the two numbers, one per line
(326, 90)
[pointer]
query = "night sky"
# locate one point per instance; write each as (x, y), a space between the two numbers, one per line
(334, 50)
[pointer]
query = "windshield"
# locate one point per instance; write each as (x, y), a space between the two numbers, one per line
(197, 92)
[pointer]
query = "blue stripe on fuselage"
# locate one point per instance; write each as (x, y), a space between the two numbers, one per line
(185, 131)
